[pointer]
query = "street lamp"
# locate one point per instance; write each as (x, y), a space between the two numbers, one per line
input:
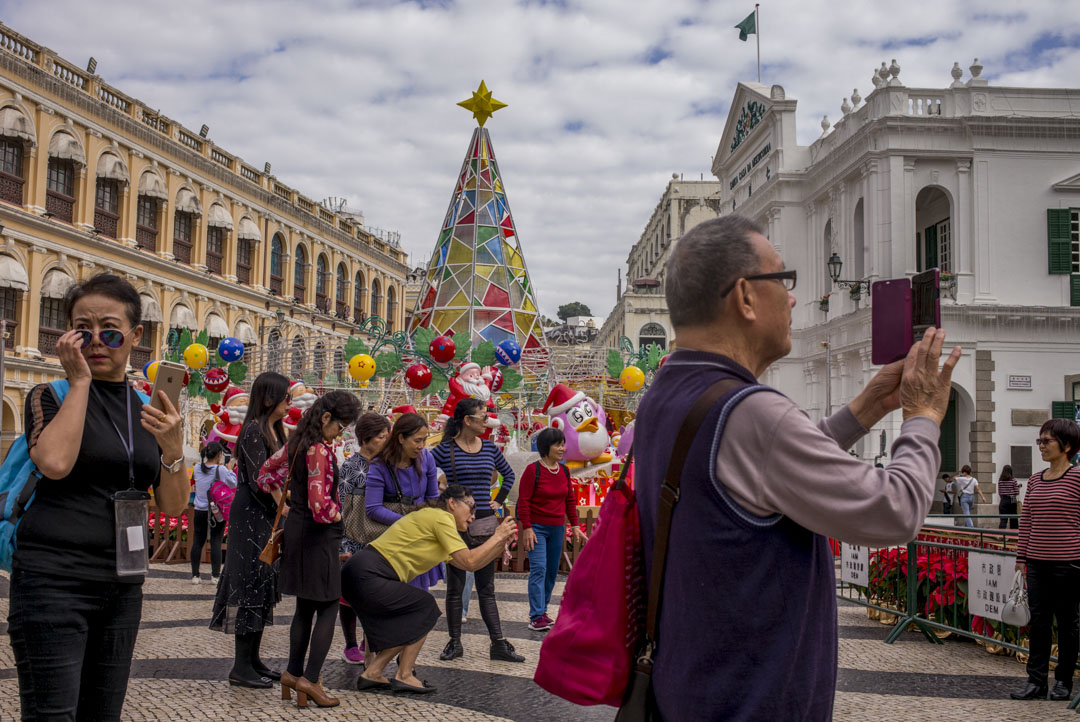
(834, 265)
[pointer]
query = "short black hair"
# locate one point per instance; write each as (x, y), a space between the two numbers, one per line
(1066, 432)
(548, 438)
(111, 286)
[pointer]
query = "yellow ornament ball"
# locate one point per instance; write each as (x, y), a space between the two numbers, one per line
(195, 356)
(150, 371)
(632, 378)
(361, 367)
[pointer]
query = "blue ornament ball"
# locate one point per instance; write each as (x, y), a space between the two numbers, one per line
(230, 349)
(508, 352)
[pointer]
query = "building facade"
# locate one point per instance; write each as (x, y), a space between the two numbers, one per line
(640, 312)
(92, 180)
(982, 182)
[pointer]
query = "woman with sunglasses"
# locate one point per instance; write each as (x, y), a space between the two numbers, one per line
(72, 618)
(310, 565)
(404, 463)
(248, 591)
(1049, 555)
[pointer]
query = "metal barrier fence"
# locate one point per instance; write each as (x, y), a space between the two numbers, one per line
(926, 583)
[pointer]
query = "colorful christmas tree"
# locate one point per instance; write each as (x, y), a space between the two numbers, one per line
(477, 284)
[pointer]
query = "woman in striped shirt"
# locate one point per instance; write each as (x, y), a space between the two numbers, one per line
(468, 460)
(1009, 491)
(1049, 550)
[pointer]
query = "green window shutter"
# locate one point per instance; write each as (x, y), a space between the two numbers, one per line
(1062, 410)
(1059, 239)
(947, 439)
(930, 246)
(1074, 289)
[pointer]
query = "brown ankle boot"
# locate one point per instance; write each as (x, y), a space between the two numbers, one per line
(314, 691)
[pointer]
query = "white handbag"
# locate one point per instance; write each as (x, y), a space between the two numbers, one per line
(1016, 611)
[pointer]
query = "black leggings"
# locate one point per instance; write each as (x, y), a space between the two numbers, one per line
(217, 533)
(348, 625)
(485, 591)
(301, 633)
(1005, 507)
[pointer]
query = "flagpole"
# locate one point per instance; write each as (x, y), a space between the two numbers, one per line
(757, 36)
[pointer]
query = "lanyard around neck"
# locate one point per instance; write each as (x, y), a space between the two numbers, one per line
(129, 442)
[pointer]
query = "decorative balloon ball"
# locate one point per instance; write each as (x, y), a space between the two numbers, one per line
(632, 378)
(508, 352)
(442, 349)
(361, 367)
(496, 380)
(663, 360)
(216, 380)
(195, 356)
(150, 371)
(187, 377)
(230, 349)
(418, 376)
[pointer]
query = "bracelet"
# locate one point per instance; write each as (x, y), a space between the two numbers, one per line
(173, 467)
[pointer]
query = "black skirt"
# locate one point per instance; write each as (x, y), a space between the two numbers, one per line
(310, 566)
(392, 612)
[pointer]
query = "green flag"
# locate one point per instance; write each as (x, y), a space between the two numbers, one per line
(747, 27)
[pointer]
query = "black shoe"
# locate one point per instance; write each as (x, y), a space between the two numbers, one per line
(396, 685)
(1061, 691)
(452, 650)
(503, 651)
(250, 682)
(263, 671)
(1030, 691)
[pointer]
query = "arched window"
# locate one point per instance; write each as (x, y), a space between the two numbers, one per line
(320, 359)
(359, 290)
(391, 307)
(652, 333)
(219, 224)
(300, 266)
(247, 235)
(151, 192)
(111, 172)
(277, 263)
(275, 352)
(65, 154)
(321, 275)
(827, 244)
(298, 357)
(186, 210)
(16, 131)
(859, 246)
(376, 298)
(933, 211)
(342, 283)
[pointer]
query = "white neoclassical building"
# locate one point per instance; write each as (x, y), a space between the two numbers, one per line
(981, 181)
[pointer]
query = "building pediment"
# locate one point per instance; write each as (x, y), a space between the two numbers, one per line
(1069, 184)
(749, 107)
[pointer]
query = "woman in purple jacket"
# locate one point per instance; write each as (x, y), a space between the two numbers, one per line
(405, 459)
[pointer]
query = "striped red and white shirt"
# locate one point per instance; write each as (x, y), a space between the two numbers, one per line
(1050, 519)
(1008, 487)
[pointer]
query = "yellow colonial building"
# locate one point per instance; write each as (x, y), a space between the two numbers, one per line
(92, 180)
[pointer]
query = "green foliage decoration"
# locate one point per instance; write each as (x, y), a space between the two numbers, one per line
(511, 379)
(237, 372)
(387, 364)
(484, 354)
(654, 353)
(615, 364)
(354, 346)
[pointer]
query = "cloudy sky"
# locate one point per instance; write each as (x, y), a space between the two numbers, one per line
(607, 98)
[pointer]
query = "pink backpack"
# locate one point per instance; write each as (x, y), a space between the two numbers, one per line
(222, 495)
(601, 618)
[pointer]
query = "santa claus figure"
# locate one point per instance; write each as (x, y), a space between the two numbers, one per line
(230, 413)
(584, 423)
(469, 382)
(302, 398)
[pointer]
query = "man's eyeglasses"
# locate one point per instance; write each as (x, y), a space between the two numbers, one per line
(1044, 442)
(111, 337)
(785, 277)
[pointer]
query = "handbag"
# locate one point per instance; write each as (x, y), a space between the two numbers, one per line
(272, 550)
(1016, 610)
(480, 528)
(607, 628)
(359, 526)
(220, 498)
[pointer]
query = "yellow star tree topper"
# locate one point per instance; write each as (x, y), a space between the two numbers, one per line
(482, 104)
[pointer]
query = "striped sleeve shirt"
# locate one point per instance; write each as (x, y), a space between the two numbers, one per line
(1050, 519)
(474, 471)
(1008, 487)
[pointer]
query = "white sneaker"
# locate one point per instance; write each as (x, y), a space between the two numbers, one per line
(195, 580)
(215, 580)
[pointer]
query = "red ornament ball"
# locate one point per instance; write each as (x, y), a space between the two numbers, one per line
(216, 380)
(442, 349)
(418, 376)
(496, 380)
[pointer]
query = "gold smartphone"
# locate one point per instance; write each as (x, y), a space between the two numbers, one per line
(170, 379)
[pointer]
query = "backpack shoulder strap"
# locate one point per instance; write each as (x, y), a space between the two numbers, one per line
(60, 387)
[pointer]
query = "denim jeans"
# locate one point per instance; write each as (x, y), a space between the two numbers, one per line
(966, 502)
(466, 593)
(73, 640)
(544, 566)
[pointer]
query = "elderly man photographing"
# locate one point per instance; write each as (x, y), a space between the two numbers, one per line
(748, 608)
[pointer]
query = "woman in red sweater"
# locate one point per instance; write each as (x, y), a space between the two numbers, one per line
(1049, 554)
(545, 501)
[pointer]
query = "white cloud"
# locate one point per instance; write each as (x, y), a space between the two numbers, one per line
(357, 99)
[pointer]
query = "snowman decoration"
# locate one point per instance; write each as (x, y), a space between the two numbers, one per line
(303, 398)
(584, 423)
(230, 414)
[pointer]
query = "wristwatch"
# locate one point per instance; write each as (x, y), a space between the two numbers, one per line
(173, 467)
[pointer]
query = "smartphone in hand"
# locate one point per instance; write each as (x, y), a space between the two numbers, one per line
(170, 379)
(891, 333)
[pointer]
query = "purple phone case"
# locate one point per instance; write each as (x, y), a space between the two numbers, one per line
(890, 321)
